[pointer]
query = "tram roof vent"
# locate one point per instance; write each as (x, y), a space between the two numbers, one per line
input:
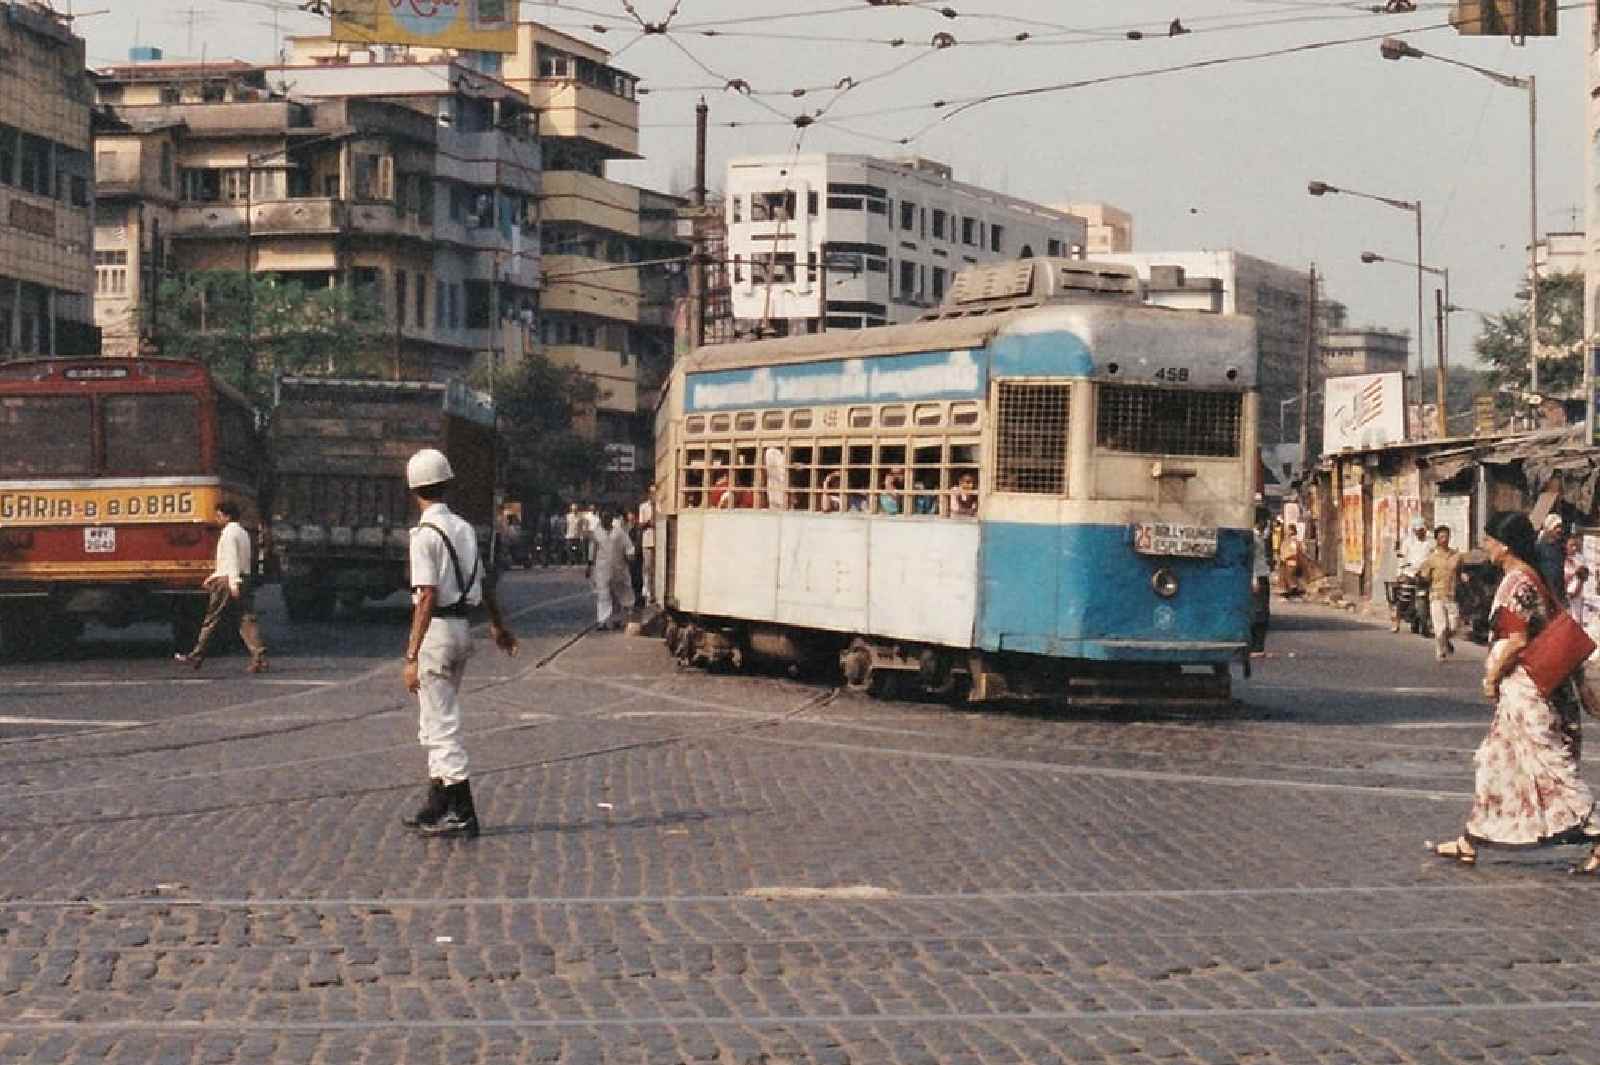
(1006, 286)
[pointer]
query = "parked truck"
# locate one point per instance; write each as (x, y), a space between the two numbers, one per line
(339, 505)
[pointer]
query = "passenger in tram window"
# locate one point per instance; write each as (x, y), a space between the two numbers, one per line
(777, 473)
(964, 497)
(889, 497)
(830, 501)
(925, 500)
(721, 494)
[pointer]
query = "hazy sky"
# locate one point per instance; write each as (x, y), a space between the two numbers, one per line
(1215, 156)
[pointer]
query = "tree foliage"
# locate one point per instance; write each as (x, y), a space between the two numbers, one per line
(1503, 342)
(248, 327)
(541, 404)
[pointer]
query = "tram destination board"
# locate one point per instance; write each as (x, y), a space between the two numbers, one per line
(1171, 538)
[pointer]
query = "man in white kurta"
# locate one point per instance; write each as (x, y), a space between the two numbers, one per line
(610, 551)
(230, 589)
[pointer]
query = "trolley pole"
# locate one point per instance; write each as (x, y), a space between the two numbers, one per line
(697, 263)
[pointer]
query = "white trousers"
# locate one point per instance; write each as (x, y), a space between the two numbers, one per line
(441, 664)
(1446, 617)
(649, 573)
(613, 591)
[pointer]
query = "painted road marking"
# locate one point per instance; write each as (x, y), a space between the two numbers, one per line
(67, 722)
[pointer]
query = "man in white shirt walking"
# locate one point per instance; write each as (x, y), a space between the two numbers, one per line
(610, 551)
(230, 589)
(447, 580)
(647, 544)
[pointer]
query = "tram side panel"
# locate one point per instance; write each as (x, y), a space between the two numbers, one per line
(824, 578)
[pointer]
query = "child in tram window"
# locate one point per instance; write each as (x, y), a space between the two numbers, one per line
(964, 497)
(830, 501)
(889, 498)
(924, 501)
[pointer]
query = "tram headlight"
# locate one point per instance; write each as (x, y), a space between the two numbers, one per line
(1164, 582)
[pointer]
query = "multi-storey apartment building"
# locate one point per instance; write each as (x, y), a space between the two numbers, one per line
(858, 241)
(46, 185)
(413, 182)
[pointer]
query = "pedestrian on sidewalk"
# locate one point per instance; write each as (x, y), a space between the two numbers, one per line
(647, 544)
(1291, 568)
(1528, 790)
(447, 581)
(1551, 556)
(232, 591)
(1442, 570)
(610, 553)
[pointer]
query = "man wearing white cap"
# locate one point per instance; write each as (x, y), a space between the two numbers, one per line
(1551, 553)
(447, 581)
(1413, 553)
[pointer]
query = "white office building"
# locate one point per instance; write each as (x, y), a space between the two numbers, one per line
(877, 240)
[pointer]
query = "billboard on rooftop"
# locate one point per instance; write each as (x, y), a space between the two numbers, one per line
(476, 25)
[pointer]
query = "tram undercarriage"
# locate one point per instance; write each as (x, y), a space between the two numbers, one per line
(889, 669)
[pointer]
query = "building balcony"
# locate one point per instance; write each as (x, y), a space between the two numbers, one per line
(572, 109)
(572, 196)
(492, 158)
(387, 220)
(271, 219)
(591, 286)
(617, 380)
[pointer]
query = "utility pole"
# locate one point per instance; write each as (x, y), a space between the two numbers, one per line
(697, 264)
(1305, 373)
(1439, 382)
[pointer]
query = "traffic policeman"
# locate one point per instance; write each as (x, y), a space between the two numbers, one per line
(447, 581)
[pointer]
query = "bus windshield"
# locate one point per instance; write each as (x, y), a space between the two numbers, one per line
(46, 436)
(152, 434)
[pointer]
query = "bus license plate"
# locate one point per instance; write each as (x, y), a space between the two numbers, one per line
(1170, 538)
(99, 540)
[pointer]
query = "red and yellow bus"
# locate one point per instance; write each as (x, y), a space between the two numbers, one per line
(110, 474)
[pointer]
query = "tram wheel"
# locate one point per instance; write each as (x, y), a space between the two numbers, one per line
(886, 684)
(856, 665)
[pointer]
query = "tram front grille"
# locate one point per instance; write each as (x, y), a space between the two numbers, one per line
(1031, 428)
(1165, 421)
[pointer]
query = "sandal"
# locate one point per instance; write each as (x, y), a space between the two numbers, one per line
(1460, 850)
(1590, 867)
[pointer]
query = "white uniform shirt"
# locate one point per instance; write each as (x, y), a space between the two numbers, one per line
(233, 554)
(430, 562)
(574, 524)
(647, 517)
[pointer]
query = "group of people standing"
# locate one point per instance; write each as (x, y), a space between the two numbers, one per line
(617, 548)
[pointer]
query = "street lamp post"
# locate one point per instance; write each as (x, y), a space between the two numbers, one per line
(1394, 48)
(1322, 188)
(1443, 330)
(1283, 405)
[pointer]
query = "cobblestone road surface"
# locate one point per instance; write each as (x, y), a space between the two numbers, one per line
(744, 870)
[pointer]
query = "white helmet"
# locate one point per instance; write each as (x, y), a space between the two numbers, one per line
(427, 467)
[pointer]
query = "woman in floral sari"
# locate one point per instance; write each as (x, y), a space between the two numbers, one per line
(1528, 790)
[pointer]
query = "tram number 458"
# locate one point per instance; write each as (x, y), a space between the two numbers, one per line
(1173, 375)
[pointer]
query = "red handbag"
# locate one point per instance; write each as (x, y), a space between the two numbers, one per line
(1559, 649)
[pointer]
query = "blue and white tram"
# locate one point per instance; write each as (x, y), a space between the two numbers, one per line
(1041, 485)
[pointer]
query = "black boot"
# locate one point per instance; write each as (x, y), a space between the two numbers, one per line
(433, 807)
(459, 817)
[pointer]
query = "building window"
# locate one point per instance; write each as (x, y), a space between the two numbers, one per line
(111, 273)
(170, 94)
(1052, 247)
(737, 210)
(938, 223)
(422, 301)
(400, 290)
(811, 204)
(969, 231)
(908, 216)
(35, 173)
(938, 282)
(439, 315)
(908, 279)
(166, 166)
(997, 236)
(478, 300)
(8, 160)
(373, 176)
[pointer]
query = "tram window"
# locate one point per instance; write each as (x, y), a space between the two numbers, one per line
(721, 423)
(800, 479)
(772, 419)
(963, 464)
(745, 421)
(861, 417)
(695, 425)
(963, 414)
(46, 436)
(928, 415)
(926, 478)
(800, 419)
(152, 434)
(1160, 421)
(892, 417)
(1031, 437)
(694, 477)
